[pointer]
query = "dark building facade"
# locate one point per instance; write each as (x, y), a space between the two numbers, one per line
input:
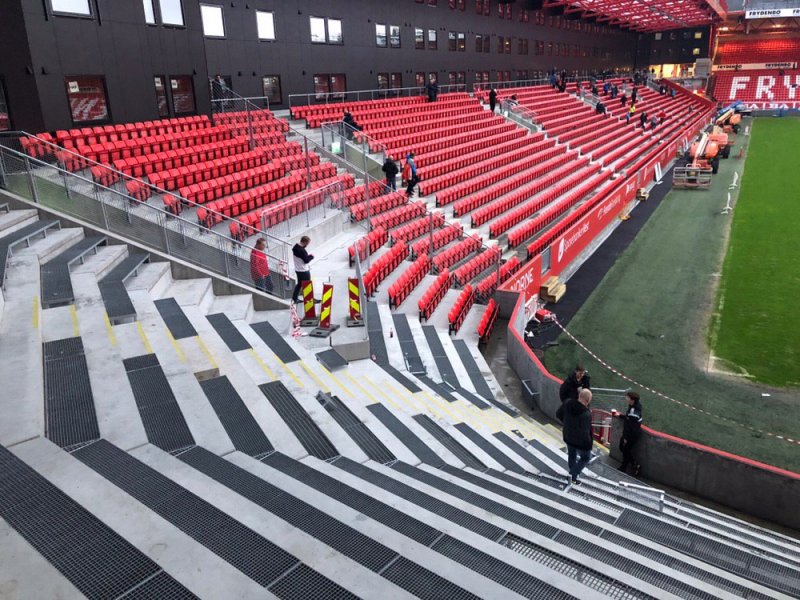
(77, 63)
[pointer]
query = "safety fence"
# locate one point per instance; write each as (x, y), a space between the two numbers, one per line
(364, 95)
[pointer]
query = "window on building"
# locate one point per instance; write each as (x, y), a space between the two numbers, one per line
(5, 120)
(396, 81)
(161, 96)
(452, 77)
(433, 42)
(71, 7)
(451, 41)
(695, 51)
(657, 36)
(462, 41)
(500, 43)
(419, 79)
(213, 22)
(182, 88)
(325, 30)
(698, 35)
(507, 45)
(88, 102)
(149, 12)
(171, 12)
(333, 85)
(265, 23)
(479, 43)
(522, 46)
(419, 38)
(272, 89)
(383, 81)
(394, 36)
(380, 35)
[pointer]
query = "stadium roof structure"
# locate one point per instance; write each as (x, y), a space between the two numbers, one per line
(646, 15)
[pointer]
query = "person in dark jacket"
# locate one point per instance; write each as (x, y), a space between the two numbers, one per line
(643, 119)
(634, 95)
(572, 385)
(631, 430)
(577, 419)
(492, 100)
(390, 171)
(433, 89)
(301, 260)
(350, 125)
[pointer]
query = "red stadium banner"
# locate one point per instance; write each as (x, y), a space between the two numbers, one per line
(761, 91)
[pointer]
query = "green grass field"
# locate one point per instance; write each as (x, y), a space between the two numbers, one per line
(757, 330)
(650, 317)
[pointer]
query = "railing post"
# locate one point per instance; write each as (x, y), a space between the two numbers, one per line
(430, 230)
(34, 193)
(163, 225)
(308, 210)
(250, 127)
(226, 254)
(308, 163)
(99, 199)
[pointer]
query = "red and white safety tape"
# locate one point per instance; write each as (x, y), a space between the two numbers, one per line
(673, 400)
(296, 331)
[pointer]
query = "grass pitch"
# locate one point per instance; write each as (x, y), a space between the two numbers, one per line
(757, 330)
(650, 316)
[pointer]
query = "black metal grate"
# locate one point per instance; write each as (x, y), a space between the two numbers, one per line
(275, 341)
(420, 449)
(355, 499)
(96, 560)
(256, 557)
(302, 425)
(489, 448)
(239, 423)
(360, 433)
(423, 583)
(449, 442)
(176, 321)
(160, 587)
(470, 397)
(524, 453)
(304, 583)
(56, 282)
(473, 370)
(161, 415)
(113, 291)
(377, 346)
(70, 415)
(232, 337)
(440, 388)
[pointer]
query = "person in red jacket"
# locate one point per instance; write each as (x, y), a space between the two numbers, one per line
(259, 267)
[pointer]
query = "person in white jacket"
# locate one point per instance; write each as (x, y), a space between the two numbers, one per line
(301, 259)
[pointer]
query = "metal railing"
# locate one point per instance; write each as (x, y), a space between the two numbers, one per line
(300, 212)
(116, 212)
(356, 147)
(525, 117)
(364, 95)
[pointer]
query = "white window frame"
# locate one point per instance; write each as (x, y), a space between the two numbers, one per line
(324, 39)
(390, 36)
(328, 31)
(149, 16)
(271, 15)
(384, 36)
(211, 10)
(72, 13)
(164, 21)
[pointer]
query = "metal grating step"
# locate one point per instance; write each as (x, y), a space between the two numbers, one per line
(360, 433)
(275, 341)
(470, 397)
(408, 346)
(239, 423)
(446, 371)
(524, 453)
(420, 449)
(300, 514)
(297, 419)
(159, 587)
(424, 583)
(20, 236)
(70, 417)
(55, 273)
(119, 307)
(331, 360)
(304, 583)
(489, 448)
(449, 442)
(176, 321)
(473, 370)
(421, 499)
(232, 337)
(95, 559)
(775, 575)
(383, 513)
(250, 553)
(401, 379)
(443, 389)
(377, 346)
(161, 415)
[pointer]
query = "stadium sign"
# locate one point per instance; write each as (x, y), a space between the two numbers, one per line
(772, 13)
(754, 66)
(762, 88)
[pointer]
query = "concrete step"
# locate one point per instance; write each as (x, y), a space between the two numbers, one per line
(191, 292)
(153, 277)
(17, 219)
(56, 242)
(238, 307)
(100, 263)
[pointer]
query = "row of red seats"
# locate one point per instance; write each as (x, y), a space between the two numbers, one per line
(383, 265)
(478, 182)
(488, 285)
(590, 119)
(206, 191)
(617, 157)
(357, 194)
(128, 131)
(452, 165)
(138, 190)
(441, 238)
(248, 200)
(38, 146)
(431, 130)
(459, 150)
(414, 229)
(578, 137)
(372, 241)
(758, 51)
(530, 182)
(434, 295)
(486, 324)
(560, 177)
(172, 159)
(476, 265)
(600, 145)
(104, 176)
(547, 216)
(378, 117)
(172, 179)
(398, 216)
(456, 252)
(380, 133)
(266, 129)
(300, 112)
(377, 205)
(423, 116)
(408, 280)
(457, 314)
(254, 116)
(473, 164)
(488, 127)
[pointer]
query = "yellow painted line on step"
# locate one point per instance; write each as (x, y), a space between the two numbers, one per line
(381, 392)
(337, 381)
(443, 406)
(35, 313)
(289, 371)
(109, 329)
(408, 399)
(207, 352)
(73, 313)
(147, 347)
(175, 345)
(316, 379)
(361, 387)
(262, 364)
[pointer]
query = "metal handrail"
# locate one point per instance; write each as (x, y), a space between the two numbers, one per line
(374, 94)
